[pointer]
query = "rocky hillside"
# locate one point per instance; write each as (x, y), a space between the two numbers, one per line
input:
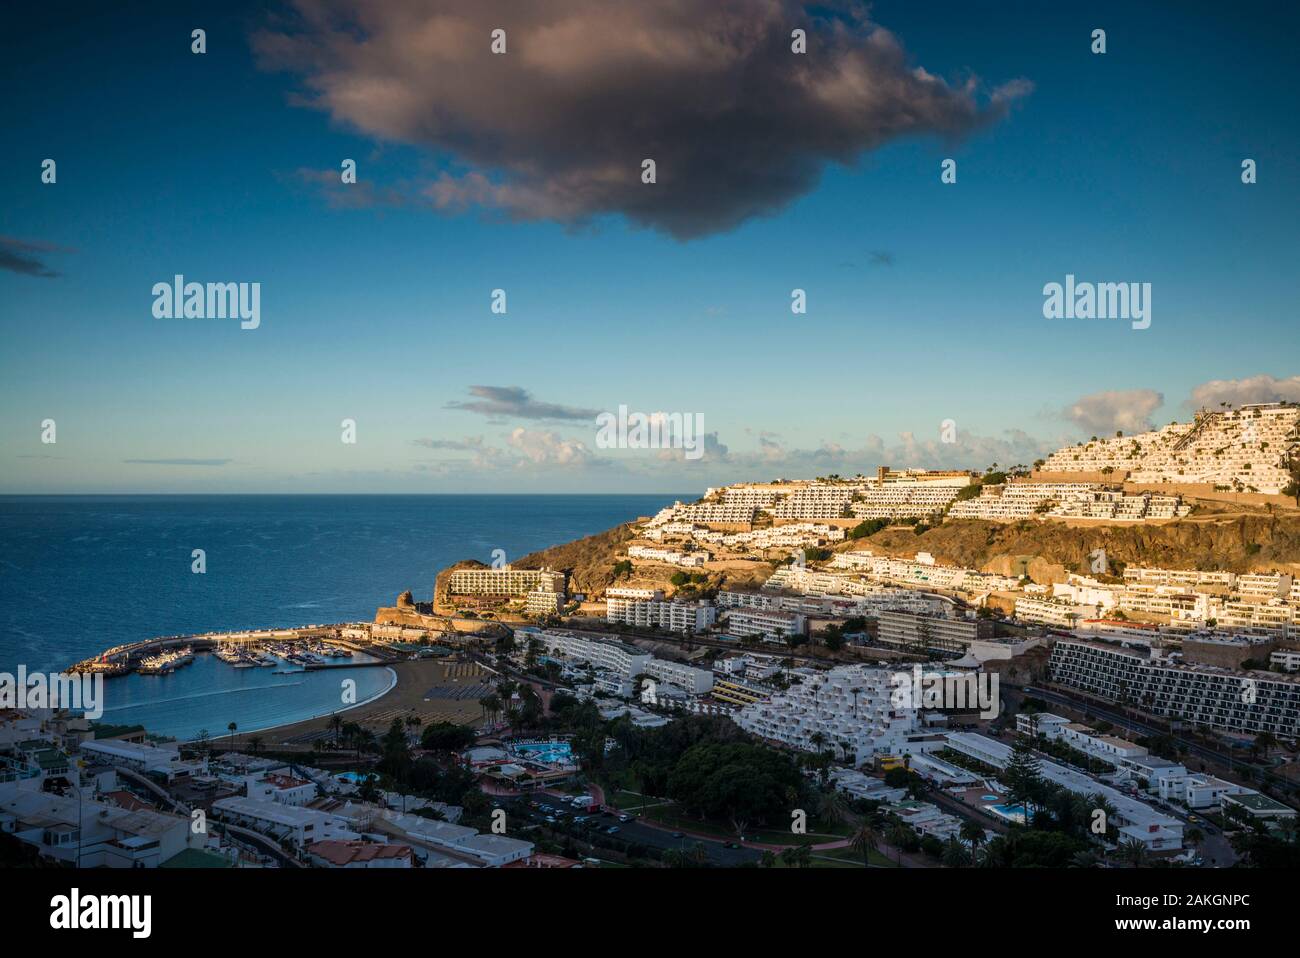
(589, 561)
(1046, 550)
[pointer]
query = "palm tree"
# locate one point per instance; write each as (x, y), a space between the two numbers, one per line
(972, 832)
(336, 724)
(865, 841)
(232, 728)
(1133, 852)
(832, 808)
(255, 744)
(955, 854)
(899, 835)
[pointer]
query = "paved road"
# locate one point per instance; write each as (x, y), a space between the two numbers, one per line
(595, 830)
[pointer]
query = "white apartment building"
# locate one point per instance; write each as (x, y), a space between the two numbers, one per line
(1015, 501)
(1082, 590)
(649, 613)
(85, 833)
(280, 788)
(1242, 703)
(299, 825)
(849, 710)
(899, 501)
(769, 624)
(815, 502)
(922, 571)
(1267, 585)
(694, 680)
(687, 560)
(912, 630)
(634, 592)
(1050, 611)
(706, 513)
(538, 602)
(1185, 578)
(793, 535)
(505, 581)
(625, 660)
(1288, 660)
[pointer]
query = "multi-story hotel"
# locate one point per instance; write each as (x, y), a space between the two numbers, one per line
(540, 602)
(694, 680)
(626, 660)
(1179, 577)
(1242, 703)
(922, 571)
(931, 632)
(505, 581)
(771, 625)
(849, 710)
(1052, 611)
(649, 613)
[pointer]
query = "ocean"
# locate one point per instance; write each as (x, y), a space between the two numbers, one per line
(81, 573)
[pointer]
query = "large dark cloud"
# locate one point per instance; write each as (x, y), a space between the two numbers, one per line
(27, 257)
(557, 127)
(515, 402)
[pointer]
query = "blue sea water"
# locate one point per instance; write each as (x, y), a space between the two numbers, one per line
(81, 573)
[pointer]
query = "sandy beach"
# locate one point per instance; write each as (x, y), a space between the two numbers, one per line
(431, 690)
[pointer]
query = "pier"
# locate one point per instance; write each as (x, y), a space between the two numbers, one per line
(126, 658)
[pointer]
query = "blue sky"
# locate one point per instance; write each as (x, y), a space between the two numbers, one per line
(925, 299)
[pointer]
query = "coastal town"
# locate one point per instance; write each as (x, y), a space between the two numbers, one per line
(1010, 667)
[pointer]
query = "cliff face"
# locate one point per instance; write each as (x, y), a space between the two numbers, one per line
(589, 561)
(1237, 544)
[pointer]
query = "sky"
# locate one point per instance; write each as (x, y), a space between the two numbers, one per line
(522, 172)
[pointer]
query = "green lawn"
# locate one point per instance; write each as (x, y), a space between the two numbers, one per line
(668, 814)
(632, 802)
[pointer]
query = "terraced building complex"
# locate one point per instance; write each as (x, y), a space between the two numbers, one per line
(1244, 449)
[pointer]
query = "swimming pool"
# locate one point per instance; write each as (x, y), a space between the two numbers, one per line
(1012, 813)
(551, 753)
(355, 778)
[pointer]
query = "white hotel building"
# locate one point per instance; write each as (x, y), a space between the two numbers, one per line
(850, 706)
(688, 677)
(626, 660)
(769, 624)
(1238, 702)
(651, 613)
(505, 581)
